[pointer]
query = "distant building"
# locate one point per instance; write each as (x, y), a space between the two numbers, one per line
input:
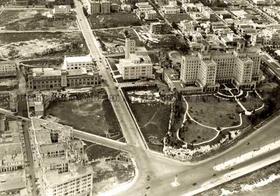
(95, 7)
(61, 9)
(8, 69)
(105, 7)
(208, 70)
(171, 8)
(159, 28)
(130, 47)
(145, 11)
(100, 7)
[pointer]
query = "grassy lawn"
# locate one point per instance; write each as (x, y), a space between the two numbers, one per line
(193, 133)
(153, 120)
(251, 102)
(114, 20)
(212, 111)
(35, 45)
(89, 115)
(36, 20)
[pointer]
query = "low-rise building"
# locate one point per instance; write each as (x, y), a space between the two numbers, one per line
(8, 69)
(145, 11)
(171, 8)
(52, 79)
(158, 28)
(61, 9)
(78, 62)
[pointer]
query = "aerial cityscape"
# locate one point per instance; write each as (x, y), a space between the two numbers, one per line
(139, 97)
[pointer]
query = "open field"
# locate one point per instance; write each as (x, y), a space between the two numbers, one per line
(93, 115)
(25, 46)
(213, 112)
(153, 120)
(113, 20)
(111, 167)
(36, 20)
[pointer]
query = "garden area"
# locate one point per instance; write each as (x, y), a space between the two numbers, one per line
(113, 20)
(194, 134)
(251, 102)
(24, 46)
(212, 111)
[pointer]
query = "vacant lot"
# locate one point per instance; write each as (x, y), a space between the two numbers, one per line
(212, 111)
(36, 20)
(89, 115)
(114, 20)
(153, 120)
(26, 45)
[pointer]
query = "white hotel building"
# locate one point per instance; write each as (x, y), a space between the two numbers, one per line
(208, 70)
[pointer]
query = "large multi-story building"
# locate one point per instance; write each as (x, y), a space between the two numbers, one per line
(136, 64)
(12, 173)
(8, 69)
(61, 160)
(49, 78)
(208, 70)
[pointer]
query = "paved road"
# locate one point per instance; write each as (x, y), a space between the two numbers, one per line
(40, 31)
(129, 128)
(102, 141)
(162, 170)
(28, 150)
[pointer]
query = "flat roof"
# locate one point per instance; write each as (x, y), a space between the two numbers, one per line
(78, 59)
(54, 178)
(12, 180)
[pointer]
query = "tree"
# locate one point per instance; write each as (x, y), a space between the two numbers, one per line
(174, 25)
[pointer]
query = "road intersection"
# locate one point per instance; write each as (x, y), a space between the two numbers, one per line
(162, 170)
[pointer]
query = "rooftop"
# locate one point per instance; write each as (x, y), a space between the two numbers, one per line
(12, 180)
(54, 178)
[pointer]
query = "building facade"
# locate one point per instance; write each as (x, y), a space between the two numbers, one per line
(208, 70)
(8, 69)
(51, 79)
(80, 62)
